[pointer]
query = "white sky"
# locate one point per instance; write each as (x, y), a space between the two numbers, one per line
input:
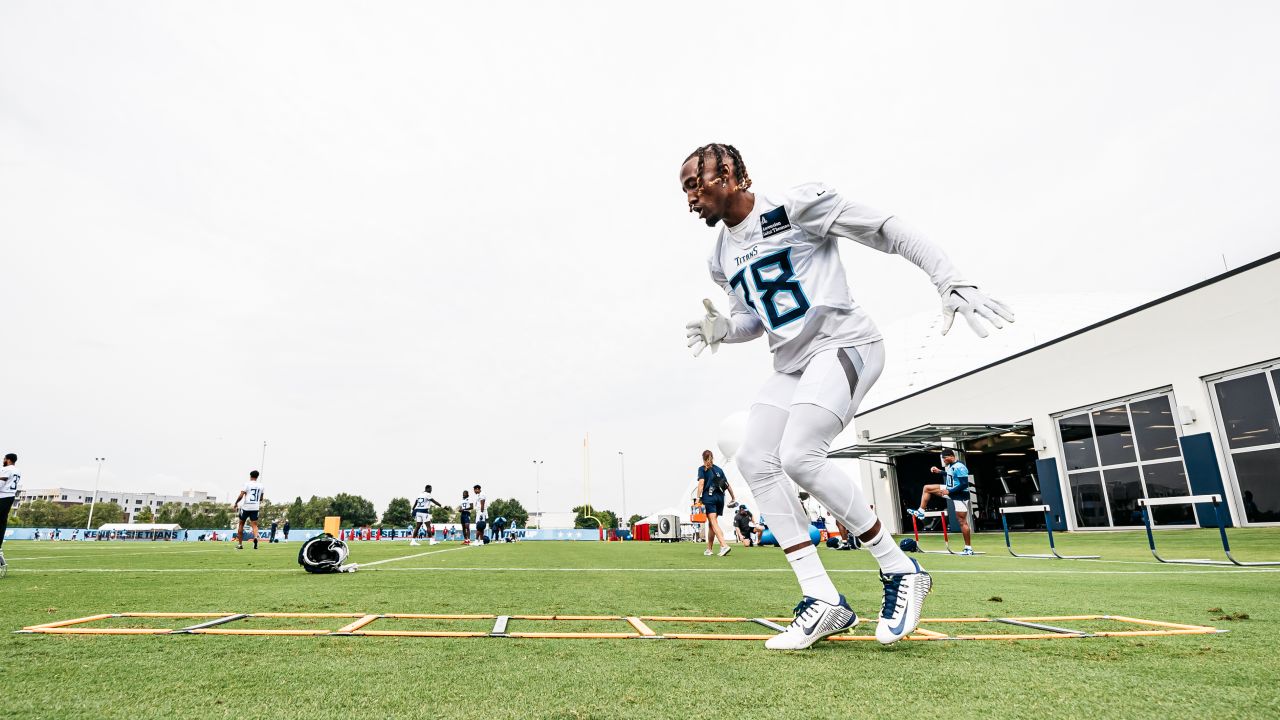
(406, 243)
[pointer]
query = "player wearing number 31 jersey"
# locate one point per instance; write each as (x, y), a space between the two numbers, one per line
(777, 259)
(251, 494)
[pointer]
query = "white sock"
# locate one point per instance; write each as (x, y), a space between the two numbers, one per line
(891, 558)
(813, 577)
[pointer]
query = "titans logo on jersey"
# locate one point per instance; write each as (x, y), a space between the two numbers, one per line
(781, 264)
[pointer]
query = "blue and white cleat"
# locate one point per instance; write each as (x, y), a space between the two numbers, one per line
(815, 619)
(903, 599)
(916, 513)
(966, 551)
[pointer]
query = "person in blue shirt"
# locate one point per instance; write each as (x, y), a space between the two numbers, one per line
(712, 485)
(956, 488)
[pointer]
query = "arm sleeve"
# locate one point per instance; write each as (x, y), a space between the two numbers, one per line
(744, 324)
(856, 222)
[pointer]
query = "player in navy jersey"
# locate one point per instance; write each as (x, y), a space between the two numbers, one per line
(422, 516)
(956, 489)
(777, 259)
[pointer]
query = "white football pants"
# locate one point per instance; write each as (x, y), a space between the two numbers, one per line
(789, 431)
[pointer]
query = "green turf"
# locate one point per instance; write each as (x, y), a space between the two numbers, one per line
(1231, 675)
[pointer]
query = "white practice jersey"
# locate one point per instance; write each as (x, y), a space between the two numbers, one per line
(465, 504)
(10, 481)
(481, 506)
(252, 496)
(422, 503)
(782, 265)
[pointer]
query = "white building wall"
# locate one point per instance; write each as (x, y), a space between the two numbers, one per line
(130, 502)
(1228, 324)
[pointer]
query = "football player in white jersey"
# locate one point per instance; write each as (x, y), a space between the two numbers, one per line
(482, 514)
(777, 259)
(10, 484)
(422, 516)
(251, 494)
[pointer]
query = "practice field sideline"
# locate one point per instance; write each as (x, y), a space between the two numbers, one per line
(214, 675)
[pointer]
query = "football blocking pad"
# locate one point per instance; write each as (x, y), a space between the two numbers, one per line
(1216, 500)
(633, 627)
(1048, 524)
(946, 538)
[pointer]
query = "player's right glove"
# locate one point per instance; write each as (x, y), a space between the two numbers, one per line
(969, 301)
(708, 330)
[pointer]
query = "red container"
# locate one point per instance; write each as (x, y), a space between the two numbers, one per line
(641, 531)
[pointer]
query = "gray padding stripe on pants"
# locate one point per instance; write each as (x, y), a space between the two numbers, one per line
(852, 366)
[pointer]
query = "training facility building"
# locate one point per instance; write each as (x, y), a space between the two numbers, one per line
(130, 502)
(1176, 397)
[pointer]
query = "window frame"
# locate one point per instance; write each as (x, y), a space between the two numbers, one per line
(1265, 368)
(1126, 402)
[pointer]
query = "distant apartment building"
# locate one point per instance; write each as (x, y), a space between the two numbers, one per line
(129, 502)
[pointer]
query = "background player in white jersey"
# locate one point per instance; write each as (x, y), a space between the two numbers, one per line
(482, 514)
(251, 494)
(777, 259)
(10, 484)
(422, 516)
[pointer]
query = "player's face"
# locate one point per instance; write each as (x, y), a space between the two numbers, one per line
(711, 201)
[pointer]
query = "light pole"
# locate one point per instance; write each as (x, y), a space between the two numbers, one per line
(537, 491)
(89, 523)
(622, 469)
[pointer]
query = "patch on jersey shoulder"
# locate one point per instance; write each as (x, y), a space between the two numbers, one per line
(775, 221)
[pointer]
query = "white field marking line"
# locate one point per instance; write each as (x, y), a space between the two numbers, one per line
(1222, 571)
(162, 570)
(852, 570)
(409, 557)
(99, 556)
(153, 570)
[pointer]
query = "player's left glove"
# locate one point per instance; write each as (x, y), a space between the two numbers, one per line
(969, 301)
(708, 330)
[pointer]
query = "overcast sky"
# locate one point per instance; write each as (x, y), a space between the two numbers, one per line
(407, 243)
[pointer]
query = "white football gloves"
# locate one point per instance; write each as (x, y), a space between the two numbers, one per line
(966, 299)
(708, 330)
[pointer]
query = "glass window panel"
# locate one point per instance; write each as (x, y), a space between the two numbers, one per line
(1258, 473)
(1123, 490)
(1077, 442)
(1086, 495)
(1153, 423)
(1115, 439)
(1168, 479)
(1248, 412)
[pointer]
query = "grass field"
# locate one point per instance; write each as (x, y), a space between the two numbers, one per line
(1229, 675)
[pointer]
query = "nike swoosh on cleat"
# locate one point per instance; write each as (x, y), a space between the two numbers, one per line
(809, 630)
(902, 624)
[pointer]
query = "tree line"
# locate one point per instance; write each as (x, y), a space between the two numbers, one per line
(355, 511)
(400, 512)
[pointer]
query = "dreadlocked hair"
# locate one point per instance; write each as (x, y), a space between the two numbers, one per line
(721, 152)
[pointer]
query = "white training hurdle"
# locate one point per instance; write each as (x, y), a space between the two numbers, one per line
(1216, 501)
(1048, 524)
